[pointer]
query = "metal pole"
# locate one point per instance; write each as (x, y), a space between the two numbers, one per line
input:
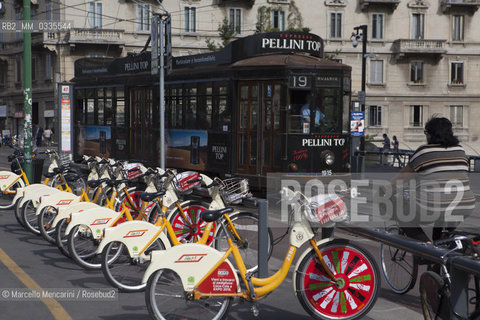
(364, 74)
(27, 93)
(162, 93)
(262, 238)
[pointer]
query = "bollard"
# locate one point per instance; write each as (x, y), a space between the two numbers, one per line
(262, 238)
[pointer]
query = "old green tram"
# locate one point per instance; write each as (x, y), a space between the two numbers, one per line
(249, 109)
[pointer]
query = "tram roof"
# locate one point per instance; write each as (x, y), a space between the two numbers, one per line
(286, 60)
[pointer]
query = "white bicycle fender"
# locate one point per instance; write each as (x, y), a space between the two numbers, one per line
(7, 178)
(34, 192)
(96, 219)
(300, 258)
(64, 212)
(135, 235)
(192, 262)
(57, 200)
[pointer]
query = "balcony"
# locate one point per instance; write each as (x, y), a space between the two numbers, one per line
(249, 3)
(392, 4)
(96, 36)
(467, 5)
(419, 47)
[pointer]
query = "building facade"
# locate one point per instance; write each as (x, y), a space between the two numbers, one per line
(422, 55)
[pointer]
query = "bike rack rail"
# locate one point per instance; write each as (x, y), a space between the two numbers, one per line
(460, 266)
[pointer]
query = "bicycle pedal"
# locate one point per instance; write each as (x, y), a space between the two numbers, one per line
(255, 310)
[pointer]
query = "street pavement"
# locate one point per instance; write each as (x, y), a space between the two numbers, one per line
(27, 260)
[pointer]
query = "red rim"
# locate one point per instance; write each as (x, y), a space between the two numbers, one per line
(355, 289)
(192, 230)
(135, 207)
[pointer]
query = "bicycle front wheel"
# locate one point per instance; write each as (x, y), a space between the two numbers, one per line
(434, 297)
(352, 295)
(192, 227)
(121, 270)
(166, 300)
(245, 224)
(398, 266)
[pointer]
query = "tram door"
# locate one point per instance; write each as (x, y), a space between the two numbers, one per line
(141, 126)
(259, 120)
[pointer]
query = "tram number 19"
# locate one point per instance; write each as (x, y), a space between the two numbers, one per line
(299, 82)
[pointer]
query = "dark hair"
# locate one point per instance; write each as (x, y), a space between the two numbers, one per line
(440, 130)
(394, 137)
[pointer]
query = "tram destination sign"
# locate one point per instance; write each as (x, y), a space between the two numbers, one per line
(257, 45)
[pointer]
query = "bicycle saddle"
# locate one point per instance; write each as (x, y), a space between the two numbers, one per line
(214, 215)
(96, 183)
(149, 196)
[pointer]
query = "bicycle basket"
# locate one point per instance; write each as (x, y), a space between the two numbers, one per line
(64, 159)
(132, 170)
(235, 189)
(182, 181)
(327, 208)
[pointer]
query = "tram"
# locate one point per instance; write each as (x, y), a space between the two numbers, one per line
(265, 103)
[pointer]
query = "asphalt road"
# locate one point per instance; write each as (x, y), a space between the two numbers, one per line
(28, 261)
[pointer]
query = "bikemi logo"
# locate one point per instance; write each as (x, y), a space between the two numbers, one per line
(135, 233)
(64, 202)
(100, 221)
(191, 258)
(4, 176)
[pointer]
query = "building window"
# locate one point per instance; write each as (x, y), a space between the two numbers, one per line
(456, 116)
(235, 19)
(416, 117)
(417, 26)
(335, 25)
(279, 19)
(48, 11)
(143, 17)
(190, 15)
(376, 71)
(416, 72)
(34, 68)
(375, 116)
(48, 67)
(3, 73)
(457, 32)
(95, 15)
(377, 26)
(456, 76)
(18, 70)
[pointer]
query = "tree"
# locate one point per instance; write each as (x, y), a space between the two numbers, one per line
(226, 32)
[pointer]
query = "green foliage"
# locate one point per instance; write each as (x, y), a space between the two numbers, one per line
(294, 19)
(226, 32)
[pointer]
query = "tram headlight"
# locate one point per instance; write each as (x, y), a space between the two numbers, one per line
(328, 158)
(292, 167)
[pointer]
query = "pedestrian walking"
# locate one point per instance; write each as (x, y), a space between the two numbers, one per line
(385, 150)
(395, 145)
(47, 134)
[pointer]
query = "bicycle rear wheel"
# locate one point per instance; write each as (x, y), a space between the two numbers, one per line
(44, 223)
(83, 247)
(62, 238)
(356, 289)
(121, 270)
(246, 225)
(398, 266)
(18, 212)
(7, 198)
(29, 217)
(166, 299)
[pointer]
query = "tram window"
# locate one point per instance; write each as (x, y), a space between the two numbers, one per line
(120, 114)
(108, 112)
(100, 113)
(243, 114)
(90, 111)
(253, 120)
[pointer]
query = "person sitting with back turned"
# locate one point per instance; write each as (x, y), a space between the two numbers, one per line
(442, 185)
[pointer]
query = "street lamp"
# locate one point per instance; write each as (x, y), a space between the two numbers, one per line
(358, 143)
